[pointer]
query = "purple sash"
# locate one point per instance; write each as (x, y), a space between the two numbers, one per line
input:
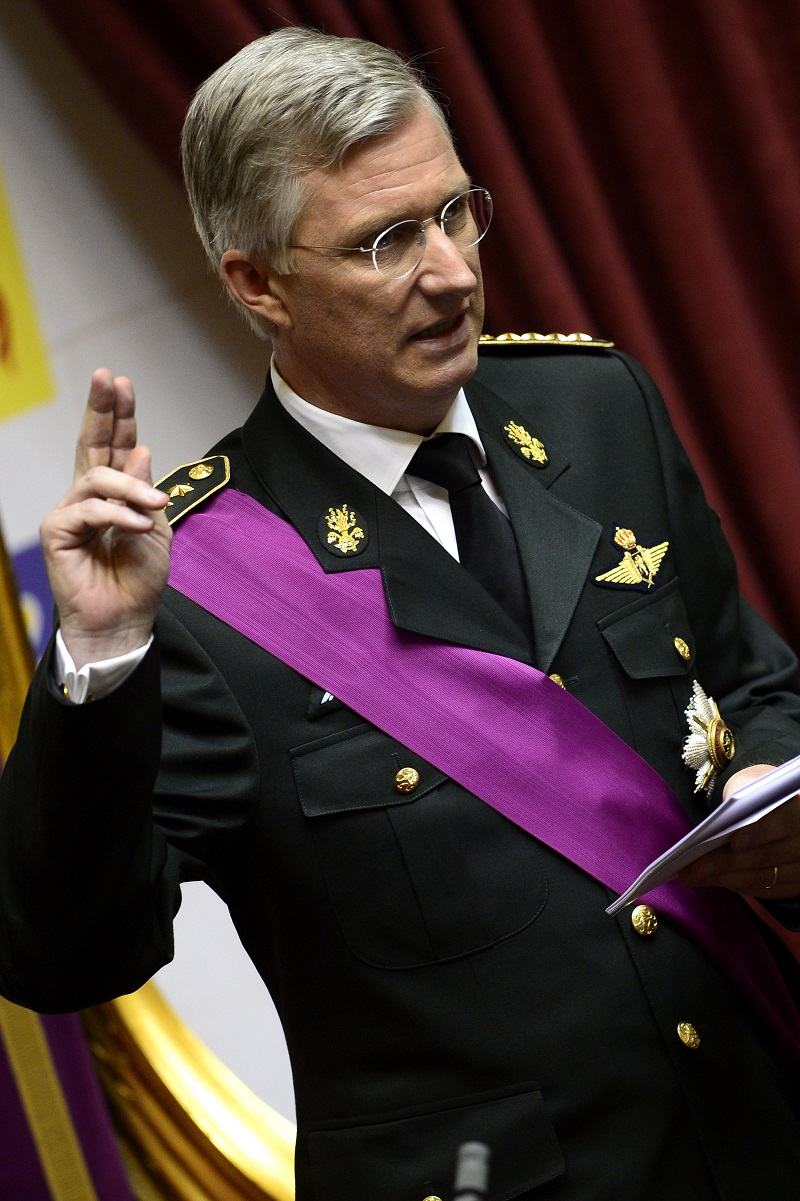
(501, 729)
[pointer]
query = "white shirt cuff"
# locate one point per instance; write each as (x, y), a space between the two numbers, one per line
(94, 680)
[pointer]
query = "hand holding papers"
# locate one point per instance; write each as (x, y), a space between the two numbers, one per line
(741, 808)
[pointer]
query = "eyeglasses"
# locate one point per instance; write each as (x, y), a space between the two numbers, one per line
(399, 249)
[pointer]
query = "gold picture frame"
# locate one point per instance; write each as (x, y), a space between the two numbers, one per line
(190, 1129)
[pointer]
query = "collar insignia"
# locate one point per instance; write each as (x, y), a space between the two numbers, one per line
(709, 746)
(528, 447)
(638, 566)
(343, 532)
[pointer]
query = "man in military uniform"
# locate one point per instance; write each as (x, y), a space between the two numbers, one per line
(441, 972)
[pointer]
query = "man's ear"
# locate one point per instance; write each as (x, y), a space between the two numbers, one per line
(257, 287)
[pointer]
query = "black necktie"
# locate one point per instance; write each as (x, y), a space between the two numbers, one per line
(486, 543)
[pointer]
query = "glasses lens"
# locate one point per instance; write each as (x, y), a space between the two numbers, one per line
(397, 251)
(467, 217)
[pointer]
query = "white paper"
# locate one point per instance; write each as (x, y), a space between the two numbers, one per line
(742, 807)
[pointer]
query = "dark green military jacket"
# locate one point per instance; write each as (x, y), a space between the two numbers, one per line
(440, 975)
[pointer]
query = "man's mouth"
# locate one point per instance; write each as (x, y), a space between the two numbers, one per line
(442, 327)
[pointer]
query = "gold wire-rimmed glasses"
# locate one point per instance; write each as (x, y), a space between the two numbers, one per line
(399, 249)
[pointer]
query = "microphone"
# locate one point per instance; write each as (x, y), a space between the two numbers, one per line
(472, 1172)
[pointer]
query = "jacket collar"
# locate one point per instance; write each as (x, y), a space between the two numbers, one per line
(304, 479)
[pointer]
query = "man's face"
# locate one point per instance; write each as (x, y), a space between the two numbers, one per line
(391, 352)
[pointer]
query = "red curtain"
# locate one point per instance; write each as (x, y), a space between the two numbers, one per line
(645, 163)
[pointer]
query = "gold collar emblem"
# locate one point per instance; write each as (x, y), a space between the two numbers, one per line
(529, 447)
(638, 566)
(709, 746)
(345, 531)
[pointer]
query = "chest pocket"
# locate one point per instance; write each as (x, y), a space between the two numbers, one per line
(651, 637)
(653, 646)
(415, 877)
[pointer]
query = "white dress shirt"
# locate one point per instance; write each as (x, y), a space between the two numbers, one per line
(383, 456)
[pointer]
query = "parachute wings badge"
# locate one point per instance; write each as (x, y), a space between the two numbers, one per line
(638, 566)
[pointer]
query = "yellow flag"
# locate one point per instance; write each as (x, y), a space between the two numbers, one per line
(25, 376)
(16, 657)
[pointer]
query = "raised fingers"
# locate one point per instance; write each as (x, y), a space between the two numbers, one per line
(108, 430)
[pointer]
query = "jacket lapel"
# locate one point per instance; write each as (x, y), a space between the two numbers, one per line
(556, 542)
(427, 591)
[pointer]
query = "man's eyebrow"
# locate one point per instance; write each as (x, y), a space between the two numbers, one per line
(369, 230)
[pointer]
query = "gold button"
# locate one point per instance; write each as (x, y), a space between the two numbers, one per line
(682, 648)
(433, 1198)
(556, 678)
(644, 920)
(688, 1035)
(201, 471)
(406, 779)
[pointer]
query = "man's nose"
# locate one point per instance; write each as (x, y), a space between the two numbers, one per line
(444, 267)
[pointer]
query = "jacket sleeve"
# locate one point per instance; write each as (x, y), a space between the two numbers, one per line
(741, 661)
(92, 849)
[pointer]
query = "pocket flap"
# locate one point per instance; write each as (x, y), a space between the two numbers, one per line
(652, 637)
(415, 1157)
(357, 769)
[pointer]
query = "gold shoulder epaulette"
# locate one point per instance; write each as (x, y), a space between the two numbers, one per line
(579, 340)
(192, 483)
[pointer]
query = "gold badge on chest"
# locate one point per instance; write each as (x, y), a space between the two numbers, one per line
(709, 746)
(638, 566)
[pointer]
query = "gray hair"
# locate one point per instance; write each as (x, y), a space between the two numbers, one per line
(287, 104)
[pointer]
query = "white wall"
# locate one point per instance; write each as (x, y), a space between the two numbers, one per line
(119, 281)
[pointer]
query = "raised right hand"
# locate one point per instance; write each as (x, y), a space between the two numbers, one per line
(106, 544)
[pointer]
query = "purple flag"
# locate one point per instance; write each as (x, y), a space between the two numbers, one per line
(56, 1138)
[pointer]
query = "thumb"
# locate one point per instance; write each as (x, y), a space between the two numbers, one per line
(139, 464)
